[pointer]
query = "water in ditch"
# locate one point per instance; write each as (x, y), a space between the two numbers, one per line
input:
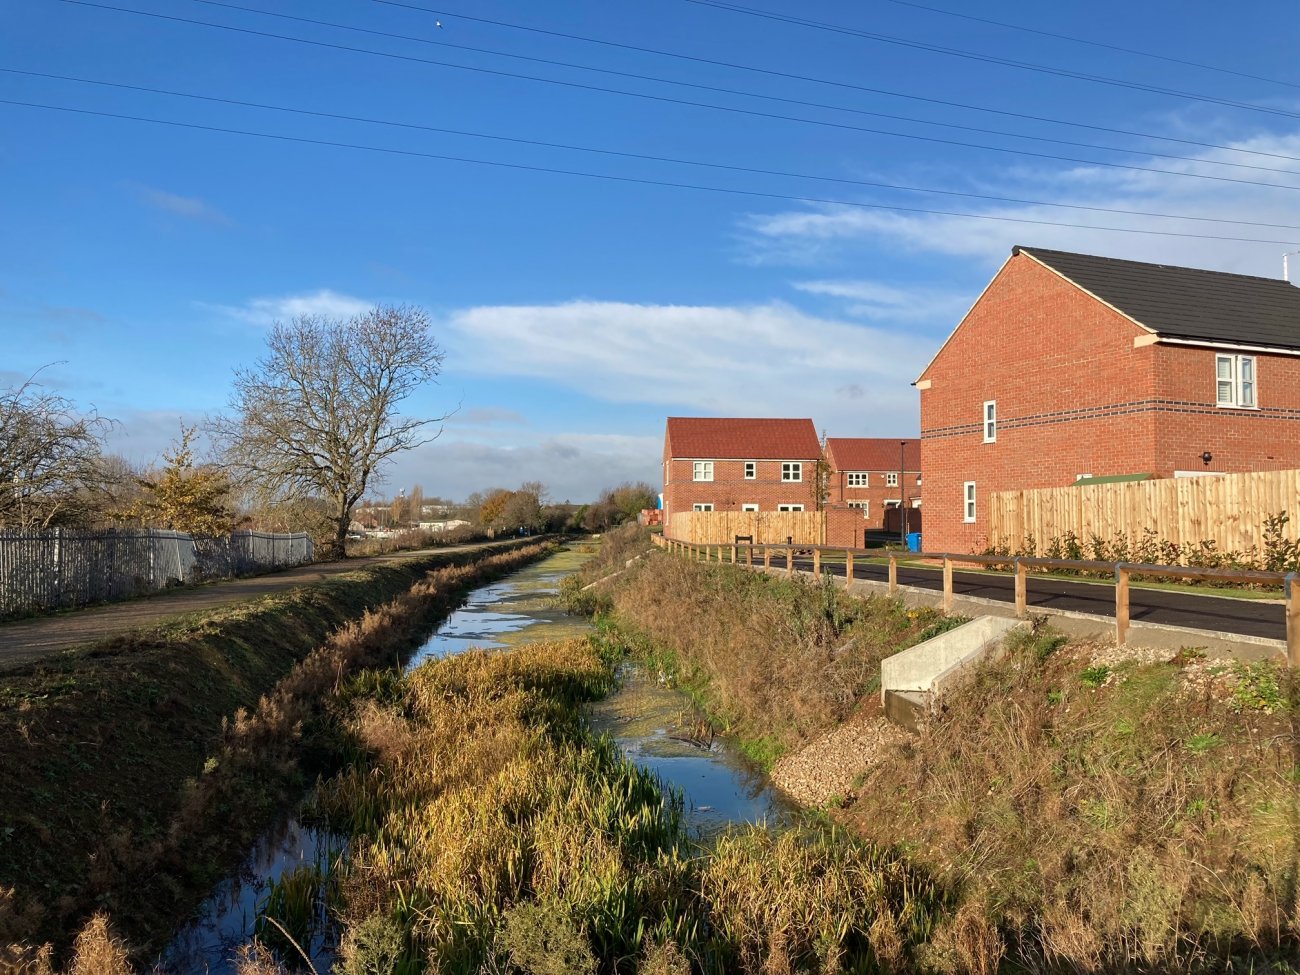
(650, 721)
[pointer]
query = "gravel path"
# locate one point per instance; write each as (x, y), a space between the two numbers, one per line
(827, 767)
(23, 641)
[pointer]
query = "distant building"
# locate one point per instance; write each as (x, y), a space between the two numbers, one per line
(739, 464)
(875, 475)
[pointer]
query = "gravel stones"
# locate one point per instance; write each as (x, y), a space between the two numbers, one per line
(827, 767)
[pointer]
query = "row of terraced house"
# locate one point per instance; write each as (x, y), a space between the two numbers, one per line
(1069, 368)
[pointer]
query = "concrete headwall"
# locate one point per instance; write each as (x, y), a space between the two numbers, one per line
(937, 665)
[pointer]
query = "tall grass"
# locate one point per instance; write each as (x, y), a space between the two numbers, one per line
(262, 761)
(492, 833)
(776, 661)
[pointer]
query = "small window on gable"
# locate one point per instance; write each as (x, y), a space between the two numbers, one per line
(702, 506)
(792, 471)
(991, 421)
(1235, 380)
(702, 470)
(751, 470)
(858, 478)
(789, 507)
(968, 498)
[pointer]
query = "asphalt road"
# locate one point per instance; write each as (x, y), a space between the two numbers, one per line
(1250, 617)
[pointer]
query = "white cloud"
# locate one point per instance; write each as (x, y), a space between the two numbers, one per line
(265, 311)
(761, 360)
(829, 231)
(189, 207)
(877, 301)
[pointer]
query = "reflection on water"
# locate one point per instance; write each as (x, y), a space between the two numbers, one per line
(226, 919)
(720, 787)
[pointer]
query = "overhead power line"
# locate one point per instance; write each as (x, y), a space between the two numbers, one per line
(751, 170)
(1099, 44)
(809, 78)
(631, 180)
(753, 113)
(748, 94)
(988, 58)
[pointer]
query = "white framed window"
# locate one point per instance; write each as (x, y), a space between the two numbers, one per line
(918, 480)
(792, 470)
(789, 507)
(990, 421)
(702, 506)
(968, 501)
(702, 470)
(749, 507)
(751, 470)
(858, 478)
(1235, 381)
(891, 479)
(864, 505)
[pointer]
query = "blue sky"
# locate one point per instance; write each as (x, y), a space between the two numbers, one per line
(145, 261)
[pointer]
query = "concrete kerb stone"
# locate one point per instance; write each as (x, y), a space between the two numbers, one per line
(1088, 626)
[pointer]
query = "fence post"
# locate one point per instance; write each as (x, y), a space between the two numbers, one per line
(947, 584)
(1292, 622)
(767, 559)
(749, 555)
(1121, 604)
(817, 563)
(848, 566)
(893, 574)
(1022, 595)
(789, 561)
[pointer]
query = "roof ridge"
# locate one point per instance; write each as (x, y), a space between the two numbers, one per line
(1018, 248)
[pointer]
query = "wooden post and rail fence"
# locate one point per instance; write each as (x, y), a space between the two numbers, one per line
(1123, 572)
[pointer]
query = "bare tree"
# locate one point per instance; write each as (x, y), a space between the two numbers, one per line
(318, 415)
(50, 470)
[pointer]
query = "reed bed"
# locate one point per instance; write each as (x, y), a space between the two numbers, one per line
(492, 833)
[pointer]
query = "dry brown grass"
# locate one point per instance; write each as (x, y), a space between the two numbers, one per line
(256, 765)
(1132, 826)
(776, 661)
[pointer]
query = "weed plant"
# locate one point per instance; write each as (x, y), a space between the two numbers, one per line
(492, 833)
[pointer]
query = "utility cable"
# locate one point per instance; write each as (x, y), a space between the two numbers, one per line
(809, 78)
(753, 113)
(989, 58)
(749, 94)
(335, 116)
(1100, 44)
(633, 180)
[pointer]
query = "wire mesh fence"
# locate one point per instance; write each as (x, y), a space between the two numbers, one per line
(60, 568)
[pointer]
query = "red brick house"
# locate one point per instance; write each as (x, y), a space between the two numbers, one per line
(1071, 365)
(865, 473)
(721, 464)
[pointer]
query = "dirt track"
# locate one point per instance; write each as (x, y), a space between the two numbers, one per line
(23, 641)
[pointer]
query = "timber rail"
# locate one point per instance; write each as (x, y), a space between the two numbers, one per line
(1123, 572)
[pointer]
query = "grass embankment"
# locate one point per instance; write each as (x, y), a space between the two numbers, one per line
(490, 832)
(137, 771)
(1089, 817)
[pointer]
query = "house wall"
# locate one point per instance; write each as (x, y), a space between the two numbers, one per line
(729, 490)
(1190, 423)
(1068, 383)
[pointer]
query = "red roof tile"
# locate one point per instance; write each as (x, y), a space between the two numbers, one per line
(701, 437)
(872, 453)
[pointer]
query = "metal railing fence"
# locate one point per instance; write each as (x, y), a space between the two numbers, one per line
(62, 568)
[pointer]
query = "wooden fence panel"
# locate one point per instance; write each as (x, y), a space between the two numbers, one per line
(767, 527)
(1229, 509)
